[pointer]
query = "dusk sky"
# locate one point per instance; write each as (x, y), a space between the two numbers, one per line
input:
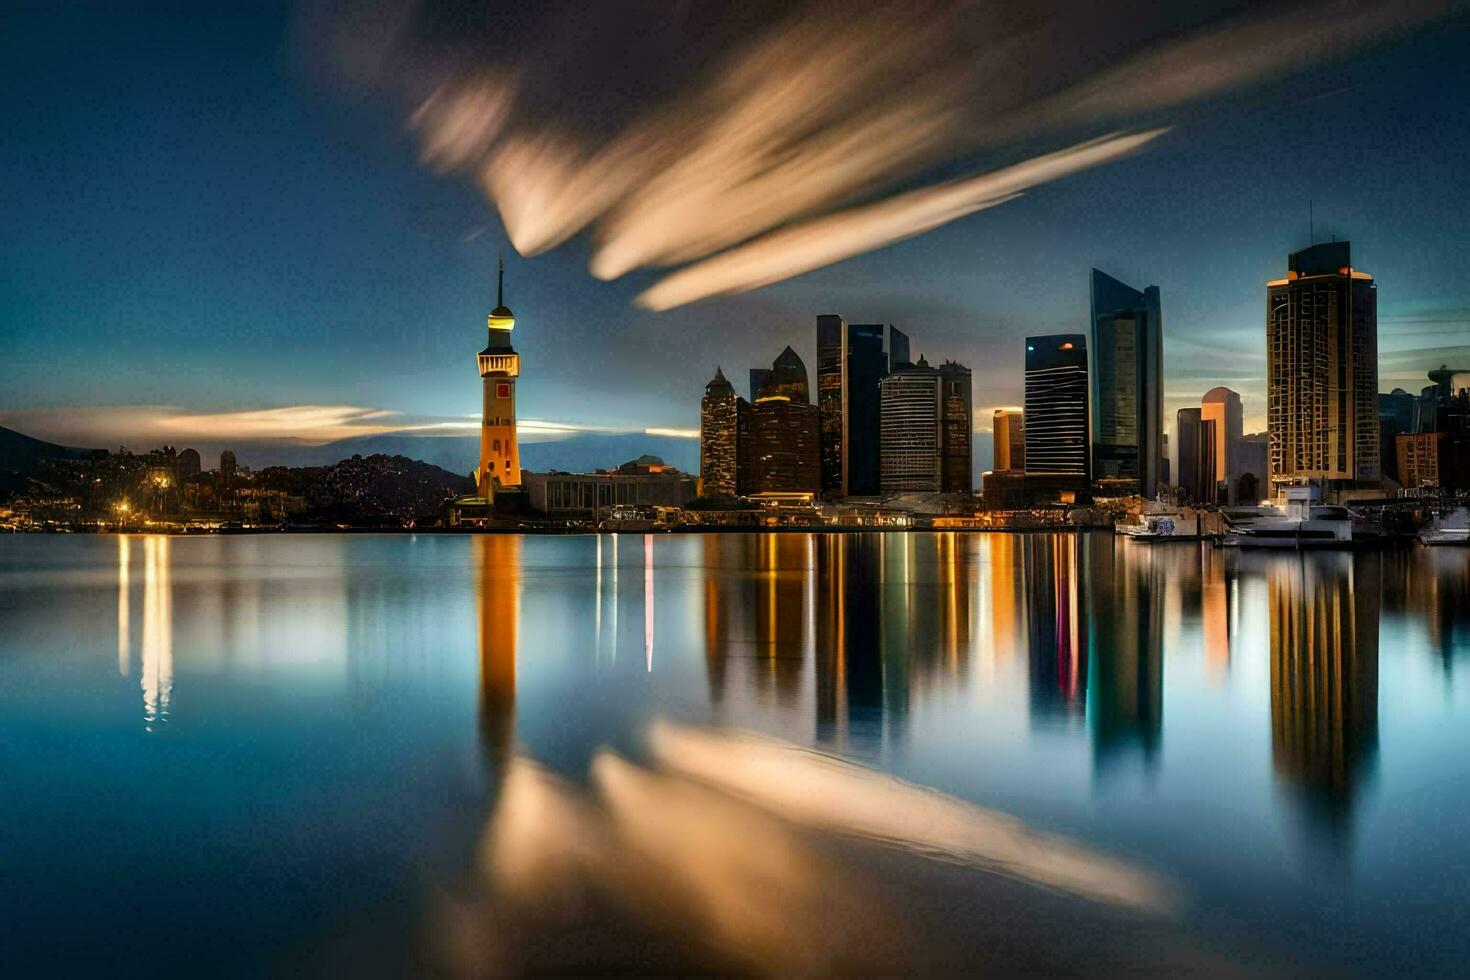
(210, 216)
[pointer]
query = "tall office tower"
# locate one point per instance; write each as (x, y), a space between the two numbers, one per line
(1127, 387)
(781, 447)
(863, 366)
(1008, 430)
(912, 409)
(1195, 455)
(1222, 406)
(957, 420)
(721, 413)
(898, 349)
(1057, 410)
(831, 330)
(227, 468)
(500, 365)
(1322, 370)
(850, 363)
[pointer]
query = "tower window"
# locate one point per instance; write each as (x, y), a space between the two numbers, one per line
(502, 390)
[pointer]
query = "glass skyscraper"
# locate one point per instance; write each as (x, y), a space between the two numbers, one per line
(850, 364)
(1057, 409)
(1127, 386)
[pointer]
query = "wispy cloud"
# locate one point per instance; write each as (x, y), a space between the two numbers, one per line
(307, 425)
(796, 142)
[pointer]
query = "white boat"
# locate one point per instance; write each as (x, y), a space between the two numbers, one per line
(1303, 524)
(1452, 528)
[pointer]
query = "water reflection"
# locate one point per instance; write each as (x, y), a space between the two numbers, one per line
(497, 566)
(156, 677)
(1324, 678)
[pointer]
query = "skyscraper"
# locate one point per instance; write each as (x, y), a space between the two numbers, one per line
(911, 433)
(831, 329)
(1322, 370)
(500, 365)
(850, 363)
(1009, 433)
(1057, 410)
(898, 349)
(783, 452)
(957, 422)
(1222, 407)
(1195, 455)
(720, 417)
(1127, 388)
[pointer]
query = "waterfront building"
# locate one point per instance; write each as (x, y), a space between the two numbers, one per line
(1322, 370)
(850, 364)
(957, 424)
(1008, 432)
(721, 419)
(1195, 441)
(911, 438)
(1127, 384)
(1057, 412)
(644, 482)
(500, 366)
(781, 448)
(1222, 406)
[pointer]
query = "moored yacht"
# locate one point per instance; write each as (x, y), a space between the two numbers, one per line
(1451, 528)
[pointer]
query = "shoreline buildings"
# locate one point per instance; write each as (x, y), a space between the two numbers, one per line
(1127, 386)
(1322, 371)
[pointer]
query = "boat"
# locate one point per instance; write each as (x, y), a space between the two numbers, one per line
(1452, 528)
(1303, 524)
(1161, 527)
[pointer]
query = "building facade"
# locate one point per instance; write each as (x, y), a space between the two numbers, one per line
(1008, 433)
(588, 496)
(500, 366)
(721, 414)
(957, 425)
(1127, 384)
(911, 440)
(1057, 410)
(1222, 407)
(1418, 456)
(1195, 455)
(1322, 370)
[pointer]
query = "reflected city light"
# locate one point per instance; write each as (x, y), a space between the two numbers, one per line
(157, 679)
(124, 558)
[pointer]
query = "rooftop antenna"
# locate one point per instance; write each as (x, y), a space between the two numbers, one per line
(500, 286)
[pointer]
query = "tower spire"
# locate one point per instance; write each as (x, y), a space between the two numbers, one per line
(500, 285)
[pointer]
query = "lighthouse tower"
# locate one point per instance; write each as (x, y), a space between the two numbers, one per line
(500, 365)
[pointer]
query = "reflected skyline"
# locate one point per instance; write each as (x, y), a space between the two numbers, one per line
(1196, 709)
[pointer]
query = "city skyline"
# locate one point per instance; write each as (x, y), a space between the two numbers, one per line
(217, 329)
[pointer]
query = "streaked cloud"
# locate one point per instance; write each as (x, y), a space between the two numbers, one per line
(823, 241)
(796, 142)
(146, 426)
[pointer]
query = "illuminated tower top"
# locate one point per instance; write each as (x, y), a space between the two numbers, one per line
(501, 318)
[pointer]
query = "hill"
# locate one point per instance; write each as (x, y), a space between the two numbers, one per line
(367, 486)
(20, 453)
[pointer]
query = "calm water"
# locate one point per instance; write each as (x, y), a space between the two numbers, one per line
(306, 754)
